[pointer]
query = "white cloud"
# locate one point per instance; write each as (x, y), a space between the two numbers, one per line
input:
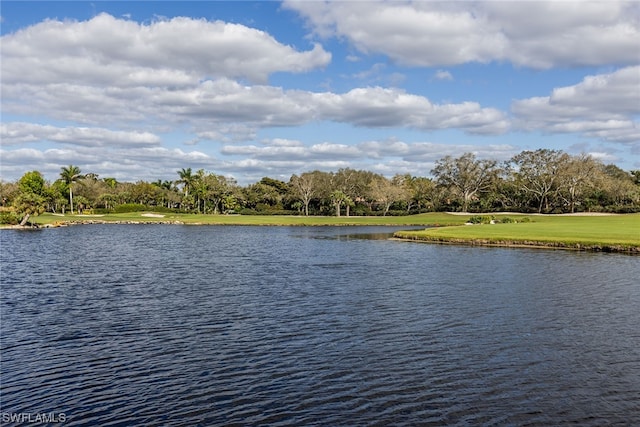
(148, 163)
(282, 142)
(443, 75)
(18, 132)
(206, 82)
(223, 108)
(539, 34)
(180, 73)
(604, 106)
(408, 157)
(381, 107)
(176, 52)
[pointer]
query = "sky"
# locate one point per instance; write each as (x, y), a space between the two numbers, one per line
(139, 90)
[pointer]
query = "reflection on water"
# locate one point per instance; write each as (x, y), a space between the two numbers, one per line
(175, 325)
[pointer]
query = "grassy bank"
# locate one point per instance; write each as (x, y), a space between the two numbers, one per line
(620, 233)
(428, 219)
(617, 233)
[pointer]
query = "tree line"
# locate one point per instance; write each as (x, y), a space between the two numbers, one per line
(544, 181)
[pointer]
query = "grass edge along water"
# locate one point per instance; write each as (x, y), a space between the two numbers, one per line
(610, 233)
(614, 233)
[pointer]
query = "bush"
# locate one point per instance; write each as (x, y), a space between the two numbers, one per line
(507, 220)
(103, 211)
(481, 219)
(9, 218)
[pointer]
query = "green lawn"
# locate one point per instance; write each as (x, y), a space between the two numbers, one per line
(615, 232)
(422, 219)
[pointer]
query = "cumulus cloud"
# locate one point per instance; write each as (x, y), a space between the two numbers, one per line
(186, 72)
(19, 132)
(175, 52)
(209, 80)
(383, 107)
(604, 106)
(539, 34)
(217, 109)
(443, 75)
(127, 164)
(392, 150)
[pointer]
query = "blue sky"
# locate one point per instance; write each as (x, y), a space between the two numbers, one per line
(139, 90)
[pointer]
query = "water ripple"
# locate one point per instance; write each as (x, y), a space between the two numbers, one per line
(187, 326)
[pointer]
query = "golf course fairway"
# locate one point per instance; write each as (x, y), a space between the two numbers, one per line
(610, 233)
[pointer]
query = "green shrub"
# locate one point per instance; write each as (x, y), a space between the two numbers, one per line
(525, 219)
(9, 217)
(507, 220)
(481, 219)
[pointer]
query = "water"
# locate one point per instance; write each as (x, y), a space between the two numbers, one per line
(161, 325)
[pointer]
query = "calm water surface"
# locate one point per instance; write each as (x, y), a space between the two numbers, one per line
(159, 325)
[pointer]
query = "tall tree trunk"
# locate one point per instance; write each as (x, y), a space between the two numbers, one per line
(24, 220)
(540, 205)
(71, 198)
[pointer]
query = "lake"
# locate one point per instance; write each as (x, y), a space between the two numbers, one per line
(168, 325)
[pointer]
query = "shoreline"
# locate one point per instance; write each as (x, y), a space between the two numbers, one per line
(531, 244)
(213, 224)
(602, 233)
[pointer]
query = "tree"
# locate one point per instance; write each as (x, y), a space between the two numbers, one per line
(354, 184)
(8, 191)
(268, 194)
(619, 192)
(388, 192)
(70, 175)
(338, 198)
(111, 182)
(186, 179)
(32, 182)
(304, 186)
(539, 173)
(144, 193)
(216, 192)
(28, 204)
(421, 191)
(576, 178)
(465, 175)
(31, 198)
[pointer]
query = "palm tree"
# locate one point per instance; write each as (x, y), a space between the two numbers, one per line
(338, 198)
(186, 178)
(70, 175)
(111, 182)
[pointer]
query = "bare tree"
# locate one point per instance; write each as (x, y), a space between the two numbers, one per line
(539, 173)
(465, 175)
(305, 187)
(387, 192)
